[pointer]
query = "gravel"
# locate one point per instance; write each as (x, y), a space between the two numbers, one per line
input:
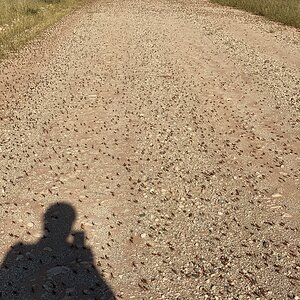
(172, 128)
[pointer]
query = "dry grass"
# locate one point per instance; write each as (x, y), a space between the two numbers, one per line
(284, 11)
(21, 20)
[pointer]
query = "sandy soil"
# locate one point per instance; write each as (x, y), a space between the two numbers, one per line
(172, 128)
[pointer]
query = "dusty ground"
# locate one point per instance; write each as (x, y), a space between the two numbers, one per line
(172, 127)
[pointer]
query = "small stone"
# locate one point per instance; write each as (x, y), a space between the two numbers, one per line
(19, 257)
(70, 291)
(283, 173)
(143, 235)
(276, 207)
(57, 270)
(276, 195)
(86, 292)
(48, 286)
(286, 215)
(48, 249)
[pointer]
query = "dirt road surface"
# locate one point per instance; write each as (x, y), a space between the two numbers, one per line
(172, 129)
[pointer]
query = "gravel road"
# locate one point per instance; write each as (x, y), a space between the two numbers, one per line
(171, 129)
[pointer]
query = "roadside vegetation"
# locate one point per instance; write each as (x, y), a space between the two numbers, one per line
(284, 11)
(21, 20)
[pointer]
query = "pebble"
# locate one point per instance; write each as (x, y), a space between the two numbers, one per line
(57, 270)
(286, 215)
(276, 195)
(48, 249)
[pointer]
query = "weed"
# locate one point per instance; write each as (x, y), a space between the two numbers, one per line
(284, 11)
(31, 11)
(22, 20)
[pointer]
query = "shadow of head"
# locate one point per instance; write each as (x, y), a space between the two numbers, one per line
(58, 221)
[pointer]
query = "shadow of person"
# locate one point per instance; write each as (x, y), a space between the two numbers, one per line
(53, 268)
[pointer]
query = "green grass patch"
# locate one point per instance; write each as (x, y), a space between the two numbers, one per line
(22, 20)
(284, 11)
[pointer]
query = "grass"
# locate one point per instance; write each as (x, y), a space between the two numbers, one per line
(284, 11)
(22, 20)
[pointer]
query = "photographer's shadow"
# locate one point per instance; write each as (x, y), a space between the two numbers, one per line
(53, 268)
